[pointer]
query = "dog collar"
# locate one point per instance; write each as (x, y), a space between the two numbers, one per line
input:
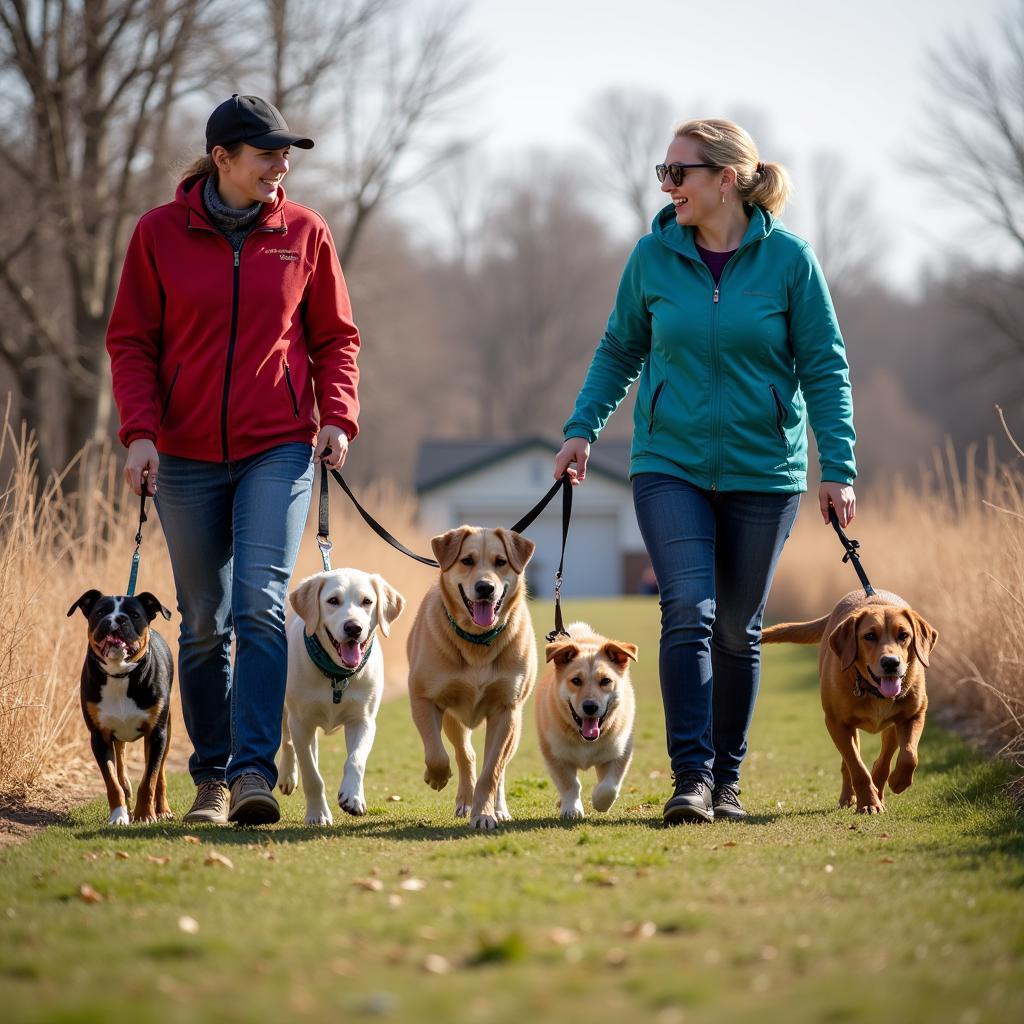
(860, 684)
(338, 676)
(484, 639)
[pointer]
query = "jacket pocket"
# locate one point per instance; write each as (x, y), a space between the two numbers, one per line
(654, 405)
(170, 391)
(781, 415)
(291, 390)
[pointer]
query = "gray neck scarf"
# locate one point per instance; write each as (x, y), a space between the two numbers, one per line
(233, 224)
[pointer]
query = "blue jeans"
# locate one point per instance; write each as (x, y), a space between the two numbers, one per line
(233, 531)
(714, 555)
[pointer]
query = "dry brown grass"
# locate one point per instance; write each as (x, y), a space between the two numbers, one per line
(55, 544)
(953, 545)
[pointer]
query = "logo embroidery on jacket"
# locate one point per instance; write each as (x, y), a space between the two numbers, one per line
(284, 254)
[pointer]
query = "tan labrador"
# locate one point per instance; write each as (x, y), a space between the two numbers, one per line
(585, 710)
(472, 656)
(871, 663)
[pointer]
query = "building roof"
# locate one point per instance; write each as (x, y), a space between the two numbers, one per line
(441, 461)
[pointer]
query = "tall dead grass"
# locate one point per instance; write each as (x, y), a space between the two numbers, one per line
(952, 544)
(56, 543)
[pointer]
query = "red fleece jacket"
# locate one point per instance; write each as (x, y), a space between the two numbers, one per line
(217, 358)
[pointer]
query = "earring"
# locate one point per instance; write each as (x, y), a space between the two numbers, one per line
(723, 199)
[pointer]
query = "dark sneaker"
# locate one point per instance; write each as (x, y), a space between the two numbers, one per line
(210, 806)
(726, 801)
(690, 802)
(252, 801)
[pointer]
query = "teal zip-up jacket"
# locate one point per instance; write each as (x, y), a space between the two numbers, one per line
(729, 375)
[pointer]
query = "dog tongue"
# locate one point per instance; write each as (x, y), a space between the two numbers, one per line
(351, 653)
(590, 730)
(890, 686)
(483, 613)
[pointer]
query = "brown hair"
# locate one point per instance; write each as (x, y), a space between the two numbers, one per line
(725, 144)
(205, 165)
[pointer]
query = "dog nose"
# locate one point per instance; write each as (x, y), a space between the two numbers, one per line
(591, 708)
(484, 588)
(353, 629)
(889, 663)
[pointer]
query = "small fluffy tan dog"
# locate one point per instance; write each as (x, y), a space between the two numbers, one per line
(871, 663)
(472, 656)
(335, 679)
(585, 709)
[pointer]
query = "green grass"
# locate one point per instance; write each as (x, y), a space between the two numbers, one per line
(803, 913)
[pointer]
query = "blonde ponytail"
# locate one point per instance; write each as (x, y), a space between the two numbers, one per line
(725, 144)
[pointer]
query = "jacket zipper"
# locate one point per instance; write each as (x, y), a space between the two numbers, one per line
(236, 273)
(291, 389)
(170, 391)
(654, 405)
(716, 417)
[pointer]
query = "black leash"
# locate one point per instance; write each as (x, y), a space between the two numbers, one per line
(324, 542)
(133, 576)
(851, 547)
(566, 486)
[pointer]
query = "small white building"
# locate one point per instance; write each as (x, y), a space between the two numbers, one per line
(495, 483)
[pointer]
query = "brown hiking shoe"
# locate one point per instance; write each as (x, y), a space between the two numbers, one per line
(210, 806)
(252, 801)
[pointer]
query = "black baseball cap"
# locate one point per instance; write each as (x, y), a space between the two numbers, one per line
(252, 120)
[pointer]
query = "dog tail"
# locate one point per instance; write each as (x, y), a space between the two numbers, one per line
(795, 632)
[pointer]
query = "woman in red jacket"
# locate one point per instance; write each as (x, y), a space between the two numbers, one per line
(233, 358)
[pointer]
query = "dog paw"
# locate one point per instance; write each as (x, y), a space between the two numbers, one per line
(437, 776)
(144, 816)
(352, 803)
(899, 781)
(118, 816)
(572, 812)
(319, 816)
(287, 784)
(872, 806)
(167, 815)
(602, 799)
(485, 822)
(502, 814)
(461, 810)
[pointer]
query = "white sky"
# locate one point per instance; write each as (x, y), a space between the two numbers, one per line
(827, 74)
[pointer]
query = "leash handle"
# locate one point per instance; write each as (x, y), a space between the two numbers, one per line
(136, 556)
(851, 547)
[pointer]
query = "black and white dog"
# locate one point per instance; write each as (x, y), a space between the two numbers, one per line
(126, 694)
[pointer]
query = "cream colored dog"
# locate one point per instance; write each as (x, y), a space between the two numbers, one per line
(335, 678)
(472, 656)
(585, 709)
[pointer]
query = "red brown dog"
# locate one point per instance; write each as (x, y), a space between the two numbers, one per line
(874, 650)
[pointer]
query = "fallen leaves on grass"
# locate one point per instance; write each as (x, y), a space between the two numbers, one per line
(215, 859)
(90, 856)
(434, 963)
(122, 854)
(191, 839)
(369, 884)
(88, 894)
(641, 931)
(412, 884)
(563, 936)
(158, 860)
(189, 925)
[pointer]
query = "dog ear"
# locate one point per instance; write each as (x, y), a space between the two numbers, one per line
(389, 603)
(620, 653)
(305, 599)
(518, 548)
(561, 652)
(85, 602)
(153, 605)
(843, 640)
(925, 637)
(446, 546)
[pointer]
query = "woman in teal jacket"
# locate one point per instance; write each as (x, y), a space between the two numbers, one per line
(726, 318)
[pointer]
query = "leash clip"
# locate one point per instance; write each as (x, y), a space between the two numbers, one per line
(326, 546)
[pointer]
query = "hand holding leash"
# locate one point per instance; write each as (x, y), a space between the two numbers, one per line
(143, 460)
(841, 498)
(575, 450)
(331, 447)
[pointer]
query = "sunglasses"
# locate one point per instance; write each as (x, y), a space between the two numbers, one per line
(677, 171)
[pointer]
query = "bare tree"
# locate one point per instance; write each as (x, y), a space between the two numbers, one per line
(630, 128)
(846, 233)
(976, 144)
(88, 85)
